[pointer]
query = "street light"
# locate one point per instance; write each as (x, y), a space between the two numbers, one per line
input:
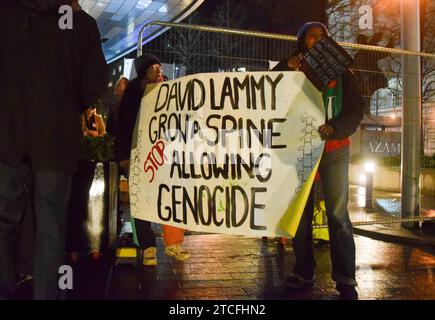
(369, 168)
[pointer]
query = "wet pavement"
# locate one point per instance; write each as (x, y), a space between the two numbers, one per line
(386, 208)
(226, 267)
(386, 205)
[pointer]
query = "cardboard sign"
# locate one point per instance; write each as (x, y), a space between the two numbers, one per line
(227, 152)
(324, 62)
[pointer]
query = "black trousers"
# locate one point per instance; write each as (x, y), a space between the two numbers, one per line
(145, 235)
(26, 240)
(52, 191)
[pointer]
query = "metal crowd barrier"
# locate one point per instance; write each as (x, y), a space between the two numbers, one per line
(279, 49)
(267, 35)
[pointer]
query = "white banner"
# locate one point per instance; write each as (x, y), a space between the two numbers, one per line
(227, 152)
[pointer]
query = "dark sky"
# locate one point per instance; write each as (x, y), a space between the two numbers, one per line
(278, 16)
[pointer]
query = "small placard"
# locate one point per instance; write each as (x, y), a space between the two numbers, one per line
(324, 62)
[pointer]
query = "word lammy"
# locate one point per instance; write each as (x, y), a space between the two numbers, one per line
(193, 96)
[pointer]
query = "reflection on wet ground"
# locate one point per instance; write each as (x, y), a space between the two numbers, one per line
(232, 267)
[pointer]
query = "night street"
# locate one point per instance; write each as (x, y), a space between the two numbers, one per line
(238, 268)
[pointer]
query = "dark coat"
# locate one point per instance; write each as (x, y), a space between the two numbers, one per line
(129, 107)
(352, 113)
(112, 118)
(48, 76)
(128, 112)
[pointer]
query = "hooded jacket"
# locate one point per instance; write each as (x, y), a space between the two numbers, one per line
(352, 105)
(48, 76)
(346, 123)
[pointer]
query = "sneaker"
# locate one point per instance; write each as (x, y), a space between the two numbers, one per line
(347, 292)
(149, 256)
(177, 251)
(296, 282)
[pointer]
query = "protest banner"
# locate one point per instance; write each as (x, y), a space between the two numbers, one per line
(230, 153)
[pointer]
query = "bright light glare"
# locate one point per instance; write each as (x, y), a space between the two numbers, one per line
(97, 188)
(369, 166)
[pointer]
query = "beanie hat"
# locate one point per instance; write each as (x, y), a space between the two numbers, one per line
(303, 30)
(142, 63)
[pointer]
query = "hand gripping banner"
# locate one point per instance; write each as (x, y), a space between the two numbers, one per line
(231, 153)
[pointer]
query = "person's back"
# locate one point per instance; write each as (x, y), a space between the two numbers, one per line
(48, 76)
(47, 80)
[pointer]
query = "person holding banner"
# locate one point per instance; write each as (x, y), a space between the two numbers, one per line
(344, 111)
(148, 69)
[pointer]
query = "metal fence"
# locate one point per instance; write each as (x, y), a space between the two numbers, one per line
(188, 49)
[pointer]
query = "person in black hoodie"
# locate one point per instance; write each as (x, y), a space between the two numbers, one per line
(148, 69)
(48, 77)
(344, 107)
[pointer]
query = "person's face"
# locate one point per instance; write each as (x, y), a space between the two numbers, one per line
(154, 72)
(120, 88)
(312, 36)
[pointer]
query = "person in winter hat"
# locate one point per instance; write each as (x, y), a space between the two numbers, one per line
(344, 107)
(148, 69)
